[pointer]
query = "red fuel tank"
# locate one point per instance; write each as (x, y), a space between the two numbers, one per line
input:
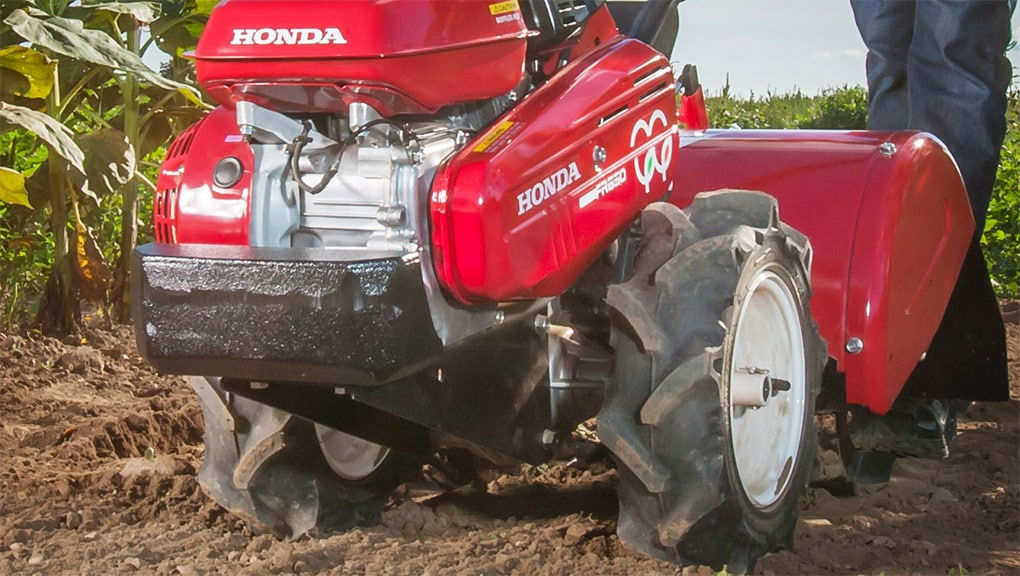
(412, 56)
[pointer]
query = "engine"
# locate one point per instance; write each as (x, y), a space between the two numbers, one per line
(507, 144)
(355, 182)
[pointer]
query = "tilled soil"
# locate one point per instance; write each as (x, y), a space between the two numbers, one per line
(98, 456)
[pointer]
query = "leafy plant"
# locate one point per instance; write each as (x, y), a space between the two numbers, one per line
(26, 247)
(1001, 239)
(844, 108)
(76, 79)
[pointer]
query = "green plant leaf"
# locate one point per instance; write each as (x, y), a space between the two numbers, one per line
(144, 12)
(109, 160)
(58, 136)
(70, 38)
(12, 187)
(32, 65)
(50, 6)
(205, 6)
(13, 84)
(175, 35)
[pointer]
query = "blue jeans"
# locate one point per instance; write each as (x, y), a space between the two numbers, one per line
(940, 66)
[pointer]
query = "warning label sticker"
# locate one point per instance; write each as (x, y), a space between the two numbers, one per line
(494, 140)
(504, 7)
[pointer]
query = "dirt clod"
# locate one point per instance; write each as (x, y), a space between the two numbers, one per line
(82, 361)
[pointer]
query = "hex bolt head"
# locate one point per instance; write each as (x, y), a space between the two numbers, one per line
(854, 345)
(548, 438)
(887, 149)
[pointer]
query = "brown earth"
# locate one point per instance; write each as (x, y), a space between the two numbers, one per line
(97, 476)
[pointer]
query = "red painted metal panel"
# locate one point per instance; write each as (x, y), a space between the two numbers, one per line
(693, 114)
(204, 212)
(889, 234)
(428, 53)
(168, 183)
(526, 207)
(913, 229)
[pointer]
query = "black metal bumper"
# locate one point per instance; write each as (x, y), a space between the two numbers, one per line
(280, 314)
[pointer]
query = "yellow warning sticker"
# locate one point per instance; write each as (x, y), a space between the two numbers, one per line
(504, 7)
(491, 137)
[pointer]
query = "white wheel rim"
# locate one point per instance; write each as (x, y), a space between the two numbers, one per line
(350, 457)
(765, 441)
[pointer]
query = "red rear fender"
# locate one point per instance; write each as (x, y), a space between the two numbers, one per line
(889, 220)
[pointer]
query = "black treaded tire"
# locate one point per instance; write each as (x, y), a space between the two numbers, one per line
(668, 416)
(266, 466)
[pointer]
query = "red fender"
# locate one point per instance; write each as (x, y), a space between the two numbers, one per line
(888, 218)
(527, 206)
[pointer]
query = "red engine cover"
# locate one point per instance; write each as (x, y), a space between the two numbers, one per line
(189, 207)
(527, 206)
(404, 55)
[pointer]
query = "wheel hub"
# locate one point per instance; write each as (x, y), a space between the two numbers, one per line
(767, 389)
(350, 457)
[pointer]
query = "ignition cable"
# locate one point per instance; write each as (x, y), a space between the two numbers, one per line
(299, 143)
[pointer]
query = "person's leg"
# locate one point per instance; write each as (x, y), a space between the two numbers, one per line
(956, 79)
(958, 74)
(886, 26)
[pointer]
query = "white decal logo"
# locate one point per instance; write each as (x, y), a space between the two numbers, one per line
(508, 18)
(546, 189)
(288, 36)
(607, 185)
(654, 161)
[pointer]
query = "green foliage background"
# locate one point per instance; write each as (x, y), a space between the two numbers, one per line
(847, 108)
(83, 123)
(26, 245)
(1001, 239)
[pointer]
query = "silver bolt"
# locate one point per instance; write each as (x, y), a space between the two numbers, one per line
(887, 149)
(599, 156)
(500, 317)
(548, 438)
(541, 324)
(391, 216)
(854, 345)
(412, 253)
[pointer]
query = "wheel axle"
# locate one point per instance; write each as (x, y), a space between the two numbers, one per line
(749, 392)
